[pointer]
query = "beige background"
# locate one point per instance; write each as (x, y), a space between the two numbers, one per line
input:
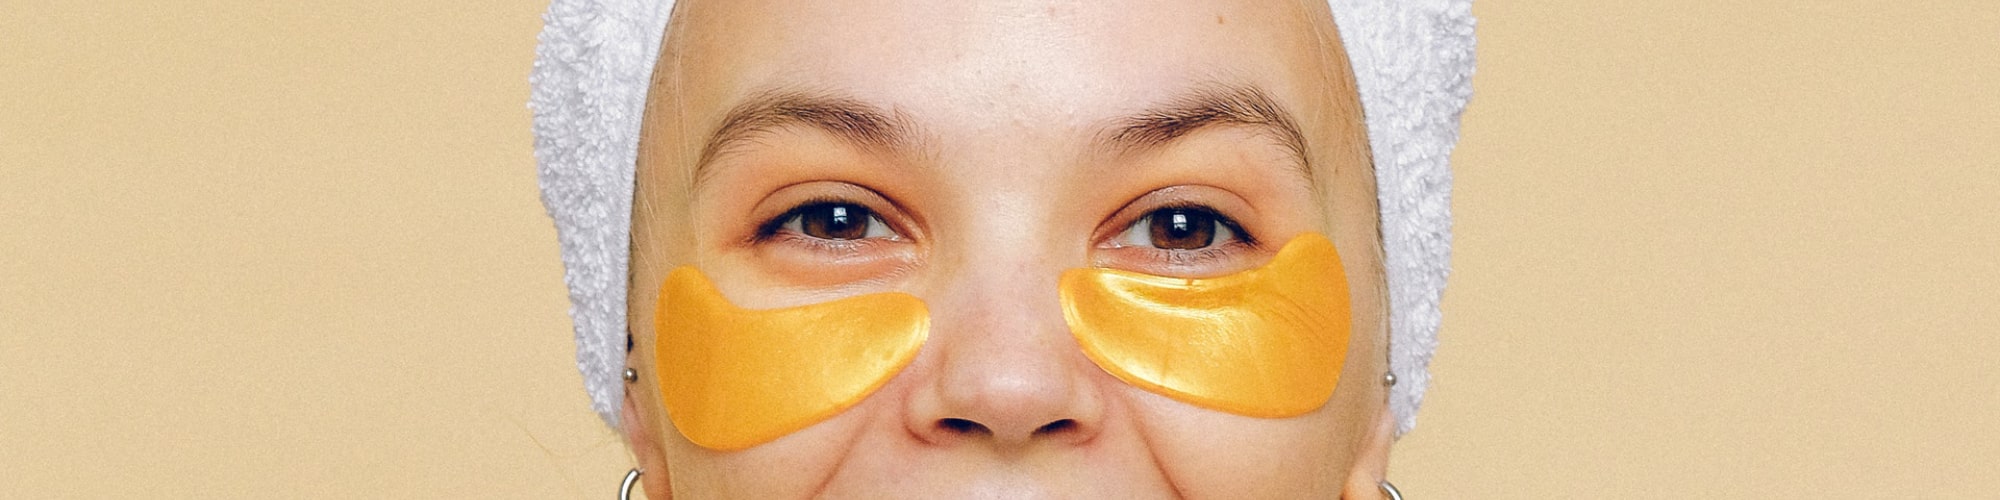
(1717, 249)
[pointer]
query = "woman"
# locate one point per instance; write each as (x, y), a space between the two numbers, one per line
(1119, 249)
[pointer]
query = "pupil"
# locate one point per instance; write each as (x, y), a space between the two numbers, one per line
(835, 222)
(1177, 229)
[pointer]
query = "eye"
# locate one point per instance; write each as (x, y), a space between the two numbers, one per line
(1180, 228)
(837, 221)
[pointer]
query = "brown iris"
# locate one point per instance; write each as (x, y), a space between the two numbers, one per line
(1182, 229)
(834, 221)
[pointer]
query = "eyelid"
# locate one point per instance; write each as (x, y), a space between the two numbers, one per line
(1228, 223)
(1221, 257)
(794, 221)
(794, 260)
(763, 215)
(1247, 219)
(794, 215)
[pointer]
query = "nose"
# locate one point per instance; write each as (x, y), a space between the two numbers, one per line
(1008, 374)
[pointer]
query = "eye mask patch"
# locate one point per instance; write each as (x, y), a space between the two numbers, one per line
(733, 378)
(1267, 342)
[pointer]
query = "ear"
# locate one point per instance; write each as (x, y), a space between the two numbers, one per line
(1371, 462)
(646, 451)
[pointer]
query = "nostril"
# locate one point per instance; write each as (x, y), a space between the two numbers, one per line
(962, 426)
(1057, 427)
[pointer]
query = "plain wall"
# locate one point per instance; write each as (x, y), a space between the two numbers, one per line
(1706, 249)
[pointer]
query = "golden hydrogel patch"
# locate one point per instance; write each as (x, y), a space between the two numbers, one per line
(1267, 342)
(733, 378)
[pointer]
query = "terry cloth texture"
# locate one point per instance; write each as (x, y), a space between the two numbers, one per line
(1412, 61)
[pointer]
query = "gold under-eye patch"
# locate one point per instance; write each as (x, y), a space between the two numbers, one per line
(732, 378)
(1267, 342)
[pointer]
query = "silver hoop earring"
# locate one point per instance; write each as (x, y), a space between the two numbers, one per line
(1390, 489)
(632, 477)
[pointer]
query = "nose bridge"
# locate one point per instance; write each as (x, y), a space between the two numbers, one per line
(1002, 304)
(990, 268)
(1008, 370)
(1004, 258)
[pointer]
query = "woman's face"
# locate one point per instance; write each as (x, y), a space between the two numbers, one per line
(968, 153)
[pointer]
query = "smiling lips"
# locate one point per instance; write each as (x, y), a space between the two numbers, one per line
(1267, 342)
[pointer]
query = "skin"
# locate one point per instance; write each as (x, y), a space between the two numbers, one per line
(999, 177)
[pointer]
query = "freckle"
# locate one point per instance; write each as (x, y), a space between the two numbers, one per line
(1218, 19)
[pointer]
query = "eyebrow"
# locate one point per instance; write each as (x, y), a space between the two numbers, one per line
(848, 119)
(1210, 105)
(872, 127)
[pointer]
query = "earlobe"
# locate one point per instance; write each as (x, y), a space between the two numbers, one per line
(1371, 461)
(645, 450)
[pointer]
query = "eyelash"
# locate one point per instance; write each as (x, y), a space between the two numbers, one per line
(1226, 221)
(770, 227)
(773, 229)
(1242, 239)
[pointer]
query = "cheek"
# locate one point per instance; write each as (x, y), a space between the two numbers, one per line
(809, 458)
(1210, 454)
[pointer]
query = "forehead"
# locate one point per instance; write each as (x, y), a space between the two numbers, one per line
(971, 65)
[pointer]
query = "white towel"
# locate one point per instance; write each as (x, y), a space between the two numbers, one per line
(1412, 61)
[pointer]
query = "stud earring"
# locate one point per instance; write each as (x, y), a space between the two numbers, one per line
(1389, 379)
(631, 375)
